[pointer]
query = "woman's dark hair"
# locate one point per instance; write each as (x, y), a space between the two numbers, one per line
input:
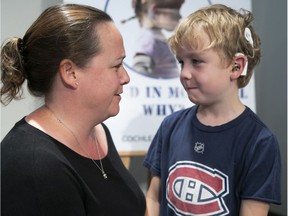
(64, 31)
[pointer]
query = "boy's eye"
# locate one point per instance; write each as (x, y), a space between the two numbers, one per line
(193, 62)
(196, 61)
(181, 63)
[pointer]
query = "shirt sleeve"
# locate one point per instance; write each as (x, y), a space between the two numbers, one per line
(152, 160)
(264, 170)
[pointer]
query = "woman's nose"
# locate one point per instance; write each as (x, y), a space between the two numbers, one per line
(125, 77)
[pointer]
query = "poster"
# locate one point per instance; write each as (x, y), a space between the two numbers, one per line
(148, 99)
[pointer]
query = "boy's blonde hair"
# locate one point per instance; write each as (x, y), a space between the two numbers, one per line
(225, 28)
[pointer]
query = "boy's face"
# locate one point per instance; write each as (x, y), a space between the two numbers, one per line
(204, 76)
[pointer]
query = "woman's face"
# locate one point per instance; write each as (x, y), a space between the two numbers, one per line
(102, 80)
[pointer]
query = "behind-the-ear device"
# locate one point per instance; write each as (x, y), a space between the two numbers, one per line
(244, 72)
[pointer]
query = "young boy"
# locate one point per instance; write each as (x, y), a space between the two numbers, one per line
(217, 157)
(152, 57)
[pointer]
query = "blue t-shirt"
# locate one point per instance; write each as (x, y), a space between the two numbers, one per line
(207, 170)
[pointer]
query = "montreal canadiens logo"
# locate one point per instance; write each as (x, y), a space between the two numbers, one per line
(195, 189)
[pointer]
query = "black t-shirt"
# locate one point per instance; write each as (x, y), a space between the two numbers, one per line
(41, 176)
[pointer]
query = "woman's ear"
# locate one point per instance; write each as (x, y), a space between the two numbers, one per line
(238, 66)
(68, 73)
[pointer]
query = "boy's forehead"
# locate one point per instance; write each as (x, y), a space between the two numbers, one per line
(196, 39)
(192, 50)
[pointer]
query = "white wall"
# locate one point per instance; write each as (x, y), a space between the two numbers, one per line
(16, 17)
(271, 77)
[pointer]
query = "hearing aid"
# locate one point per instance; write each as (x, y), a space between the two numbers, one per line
(237, 67)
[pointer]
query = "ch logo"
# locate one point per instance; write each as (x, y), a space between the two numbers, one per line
(195, 189)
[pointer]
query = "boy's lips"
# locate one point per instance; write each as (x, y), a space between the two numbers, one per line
(187, 88)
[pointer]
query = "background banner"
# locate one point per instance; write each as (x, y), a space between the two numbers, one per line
(153, 94)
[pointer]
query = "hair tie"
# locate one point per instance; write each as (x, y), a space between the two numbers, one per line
(20, 45)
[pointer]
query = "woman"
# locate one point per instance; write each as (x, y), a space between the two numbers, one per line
(60, 159)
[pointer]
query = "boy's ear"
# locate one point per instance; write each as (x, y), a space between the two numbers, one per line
(238, 66)
(68, 73)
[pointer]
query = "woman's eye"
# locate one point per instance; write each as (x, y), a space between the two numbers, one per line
(118, 66)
